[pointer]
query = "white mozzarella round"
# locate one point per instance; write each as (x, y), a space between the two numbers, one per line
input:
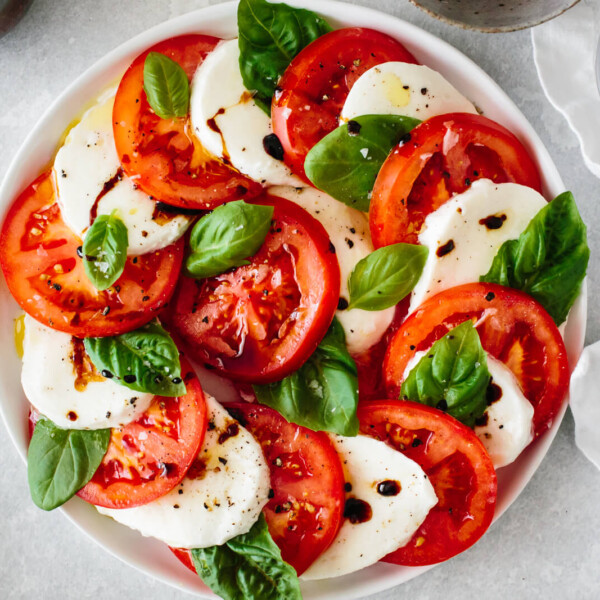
(348, 231)
(228, 122)
(395, 518)
(397, 88)
(509, 421)
(463, 224)
(59, 381)
(86, 163)
(225, 498)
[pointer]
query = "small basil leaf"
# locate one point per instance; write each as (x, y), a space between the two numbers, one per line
(248, 566)
(549, 259)
(145, 360)
(453, 375)
(386, 276)
(61, 461)
(270, 35)
(345, 163)
(323, 394)
(226, 237)
(166, 85)
(105, 250)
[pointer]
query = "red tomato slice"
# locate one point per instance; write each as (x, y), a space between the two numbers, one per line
(45, 275)
(513, 328)
(169, 163)
(149, 457)
(457, 465)
(313, 88)
(444, 155)
(261, 321)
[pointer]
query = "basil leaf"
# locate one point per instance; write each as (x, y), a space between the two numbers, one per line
(248, 566)
(105, 250)
(345, 163)
(166, 85)
(61, 461)
(384, 277)
(270, 35)
(145, 360)
(452, 376)
(226, 237)
(549, 259)
(323, 394)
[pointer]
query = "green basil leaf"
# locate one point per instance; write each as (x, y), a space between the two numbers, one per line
(452, 376)
(166, 85)
(248, 566)
(345, 163)
(105, 250)
(145, 360)
(226, 237)
(61, 461)
(323, 394)
(386, 276)
(270, 35)
(549, 259)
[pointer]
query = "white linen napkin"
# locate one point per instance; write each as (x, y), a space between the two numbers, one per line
(564, 50)
(585, 402)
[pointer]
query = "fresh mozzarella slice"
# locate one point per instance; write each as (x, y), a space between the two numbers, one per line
(60, 381)
(228, 122)
(220, 497)
(388, 488)
(464, 234)
(89, 178)
(508, 421)
(348, 231)
(397, 88)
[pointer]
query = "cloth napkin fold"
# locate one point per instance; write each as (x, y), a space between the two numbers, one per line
(585, 402)
(564, 50)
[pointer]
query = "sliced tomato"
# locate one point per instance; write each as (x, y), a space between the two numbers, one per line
(443, 156)
(457, 465)
(261, 321)
(312, 91)
(513, 328)
(163, 155)
(46, 276)
(149, 457)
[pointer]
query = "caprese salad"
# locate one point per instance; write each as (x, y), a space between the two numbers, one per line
(333, 227)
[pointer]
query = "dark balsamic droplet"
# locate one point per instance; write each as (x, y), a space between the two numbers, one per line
(176, 380)
(129, 378)
(357, 511)
(273, 146)
(493, 393)
(342, 304)
(347, 486)
(446, 248)
(490, 296)
(106, 373)
(389, 487)
(80, 251)
(353, 128)
(493, 221)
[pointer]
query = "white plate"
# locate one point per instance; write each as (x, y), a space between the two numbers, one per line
(151, 556)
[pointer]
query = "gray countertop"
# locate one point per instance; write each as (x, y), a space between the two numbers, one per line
(547, 544)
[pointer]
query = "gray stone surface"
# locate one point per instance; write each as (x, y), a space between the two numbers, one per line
(546, 545)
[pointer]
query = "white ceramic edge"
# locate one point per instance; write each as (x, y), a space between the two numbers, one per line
(37, 151)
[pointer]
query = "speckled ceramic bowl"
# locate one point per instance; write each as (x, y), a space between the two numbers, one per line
(494, 16)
